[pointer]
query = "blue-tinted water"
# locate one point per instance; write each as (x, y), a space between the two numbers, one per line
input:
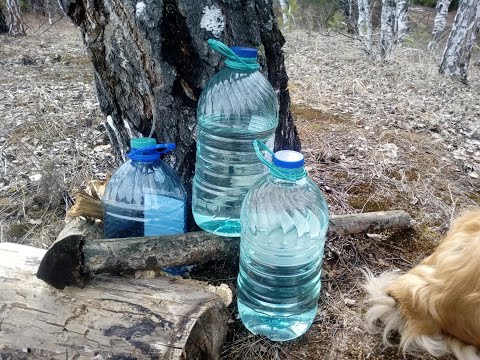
(226, 168)
(282, 241)
(279, 298)
(160, 215)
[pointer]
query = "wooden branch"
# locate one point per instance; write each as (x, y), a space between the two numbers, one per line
(86, 205)
(368, 222)
(111, 318)
(72, 258)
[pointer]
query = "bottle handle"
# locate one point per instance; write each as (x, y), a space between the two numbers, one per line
(274, 170)
(257, 144)
(223, 49)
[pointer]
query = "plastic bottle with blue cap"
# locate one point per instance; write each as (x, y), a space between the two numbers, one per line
(144, 197)
(284, 222)
(237, 106)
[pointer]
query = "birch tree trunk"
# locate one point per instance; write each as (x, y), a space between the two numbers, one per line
(285, 6)
(362, 18)
(402, 19)
(458, 50)
(365, 23)
(439, 23)
(151, 61)
(387, 31)
(350, 12)
(17, 27)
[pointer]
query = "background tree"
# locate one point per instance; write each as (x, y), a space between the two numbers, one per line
(387, 31)
(458, 49)
(16, 24)
(439, 23)
(362, 17)
(285, 6)
(151, 61)
(365, 23)
(402, 19)
(348, 9)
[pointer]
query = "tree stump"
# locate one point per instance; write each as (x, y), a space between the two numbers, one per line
(112, 317)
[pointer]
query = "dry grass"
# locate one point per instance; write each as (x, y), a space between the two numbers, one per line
(51, 136)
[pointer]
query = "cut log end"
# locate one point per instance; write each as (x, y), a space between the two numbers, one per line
(62, 264)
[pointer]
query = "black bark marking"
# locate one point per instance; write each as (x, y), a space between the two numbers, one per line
(151, 262)
(165, 324)
(145, 327)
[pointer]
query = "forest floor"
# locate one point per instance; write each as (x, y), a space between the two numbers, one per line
(377, 136)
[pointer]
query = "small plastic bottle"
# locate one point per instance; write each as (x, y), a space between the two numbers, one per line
(284, 222)
(144, 197)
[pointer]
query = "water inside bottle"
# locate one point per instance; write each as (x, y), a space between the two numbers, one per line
(160, 215)
(279, 279)
(226, 168)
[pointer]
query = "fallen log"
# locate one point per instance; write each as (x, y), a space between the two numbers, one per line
(111, 318)
(75, 256)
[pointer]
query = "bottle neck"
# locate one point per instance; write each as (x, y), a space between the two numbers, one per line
(288, 175)
(242, 64)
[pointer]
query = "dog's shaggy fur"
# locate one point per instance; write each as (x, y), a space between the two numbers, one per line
(435, 307)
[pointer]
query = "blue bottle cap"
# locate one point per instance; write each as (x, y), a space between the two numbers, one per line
(288, 159)
(150, 153)
(245, 52)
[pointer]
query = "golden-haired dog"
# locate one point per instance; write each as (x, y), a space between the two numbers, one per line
(435, 307)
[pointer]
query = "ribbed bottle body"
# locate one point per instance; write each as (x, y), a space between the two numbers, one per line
(282, 242)
(144, 199)
(235, 108)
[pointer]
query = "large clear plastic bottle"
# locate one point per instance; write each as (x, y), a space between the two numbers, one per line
(144, 197)
(284, 224)
(237, 106)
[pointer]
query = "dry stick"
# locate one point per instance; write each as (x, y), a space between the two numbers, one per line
(73, 257)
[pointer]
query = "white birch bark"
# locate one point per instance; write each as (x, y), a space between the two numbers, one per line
(17, 27)
(365, 23)
(387, 30)
(439, 23)
(458, 50)
(285, 6)
(362, 18)
(402, 18)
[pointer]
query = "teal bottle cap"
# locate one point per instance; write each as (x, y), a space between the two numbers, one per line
(138, 143)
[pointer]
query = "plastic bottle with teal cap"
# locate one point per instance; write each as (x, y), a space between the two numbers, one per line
(144, 197)
(237, 106)
(284, 221)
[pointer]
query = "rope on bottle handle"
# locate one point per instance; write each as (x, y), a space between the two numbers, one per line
(233, 60)
(275, 170)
